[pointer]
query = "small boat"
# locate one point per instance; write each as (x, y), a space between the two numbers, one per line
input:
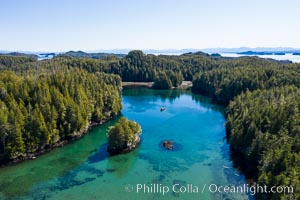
(162, 109)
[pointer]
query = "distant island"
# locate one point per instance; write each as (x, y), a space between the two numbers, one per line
(261, 53)
(81, 54)
(18, 54)
(73, 54)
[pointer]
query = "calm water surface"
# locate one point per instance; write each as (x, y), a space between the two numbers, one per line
(83, 170)
(287, 56)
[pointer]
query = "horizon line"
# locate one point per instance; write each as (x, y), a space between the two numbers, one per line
(281, 48)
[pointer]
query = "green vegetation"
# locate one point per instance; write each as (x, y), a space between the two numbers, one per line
(162, 82)
(17, 54)
(263, 121)
(81, 54)
(37, 112)
(124, 136)
(262, 98)
(224, 83)
(14, 62)
(264, 126)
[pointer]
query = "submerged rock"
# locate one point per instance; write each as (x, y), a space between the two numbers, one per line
(168, 144)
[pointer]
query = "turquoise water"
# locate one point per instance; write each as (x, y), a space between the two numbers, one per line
(83, 169)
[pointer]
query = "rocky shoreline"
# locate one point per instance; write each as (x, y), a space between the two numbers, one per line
(61, 143)
(128, 149)
(136, 84)
(184, 85)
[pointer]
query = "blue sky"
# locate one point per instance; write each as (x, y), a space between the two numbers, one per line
(60, 25)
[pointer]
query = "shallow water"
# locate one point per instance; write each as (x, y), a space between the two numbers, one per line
(83, 170)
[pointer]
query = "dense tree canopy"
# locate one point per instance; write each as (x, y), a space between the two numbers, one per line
(162, 82)
(39, 111)
(264, 126)
(263, 121)
(224, 83)
(124, 135)
(45, 101)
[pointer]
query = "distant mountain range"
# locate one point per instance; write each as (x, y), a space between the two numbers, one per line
(98, 54)
(207, 50)
(247, 49)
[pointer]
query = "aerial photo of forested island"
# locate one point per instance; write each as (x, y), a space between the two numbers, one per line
(147, 100)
